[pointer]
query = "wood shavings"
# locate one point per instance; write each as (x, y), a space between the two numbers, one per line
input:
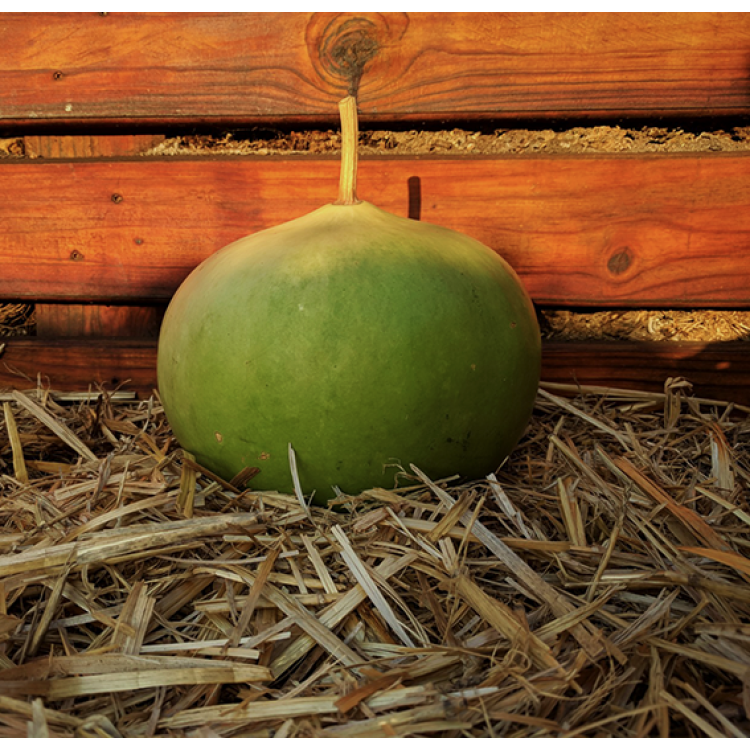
(595, 585)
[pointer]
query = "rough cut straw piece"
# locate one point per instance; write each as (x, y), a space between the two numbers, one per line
(591, 642)
(449, 520)
(188, 479)
(730, 728)
(359, 694)
(507, 506)
(117, 682)
(38, 727)
(719, 662)
(689, 517)
(146, 537)
(48, 613)
(19, 464)
(571, 514)
(105, 661)
(332, 615)
(134, 620)
(604, 562)
(736, 511)
(223, 605)
(59, 720)
(63, 432)
(608, 493)
(300, 616)
(320, 568)
(420, 720)
(268, 710)
(103, 519)
(580, 614)
(721, 458)
(216, 648)
(295, 480)
(261, 710)
(64, 495)
(499, 616)
(253, 597)
(359, 571)
(678, 705)
(597, 423)
(732, 559)
(658, 610)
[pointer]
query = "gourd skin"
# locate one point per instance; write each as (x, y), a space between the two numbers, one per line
(365, 340)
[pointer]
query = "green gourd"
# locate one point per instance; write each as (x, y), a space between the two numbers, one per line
(366, 341)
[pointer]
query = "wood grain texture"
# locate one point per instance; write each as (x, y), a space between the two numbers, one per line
(293, 67)
(85, 146)
(98, 321)
(66, 364)
(66, 321)
(720, 371)
(599, 231)
(716, 370)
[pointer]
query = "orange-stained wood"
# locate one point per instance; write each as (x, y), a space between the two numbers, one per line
(85, 146)
(595, 231)
(76, 364)
(94, 68)
(719, 371)
(93, 320)
(97, 321)
(104, 321)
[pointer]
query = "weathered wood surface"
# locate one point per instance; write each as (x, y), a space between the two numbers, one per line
(97, 321)
(595, 231)
(67, 321)
(720, 371)
(75, 364)
(93, 68)
(86, 146)
(716, 370)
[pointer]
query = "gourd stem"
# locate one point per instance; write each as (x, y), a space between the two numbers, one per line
(349, 142)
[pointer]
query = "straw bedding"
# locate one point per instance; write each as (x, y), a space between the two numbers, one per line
(597, 585)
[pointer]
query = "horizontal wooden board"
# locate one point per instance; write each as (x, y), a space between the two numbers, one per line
(720, 371)
(599, 231)
(716, 370)
(66, 320)
(97, 321)
(87, 146)
(89, 68)
(76, 364)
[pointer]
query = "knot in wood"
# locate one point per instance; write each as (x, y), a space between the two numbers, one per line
(342, 45)
(352, 51)
(346, 47)
(620, 261)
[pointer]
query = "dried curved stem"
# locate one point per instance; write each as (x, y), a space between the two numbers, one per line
(349, 142)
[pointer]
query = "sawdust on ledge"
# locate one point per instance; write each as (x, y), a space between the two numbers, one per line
(598, 139)
(594, 139)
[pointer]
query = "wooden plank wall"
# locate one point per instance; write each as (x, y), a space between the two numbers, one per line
(99, 238)
(293, 67)
(581, 231)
